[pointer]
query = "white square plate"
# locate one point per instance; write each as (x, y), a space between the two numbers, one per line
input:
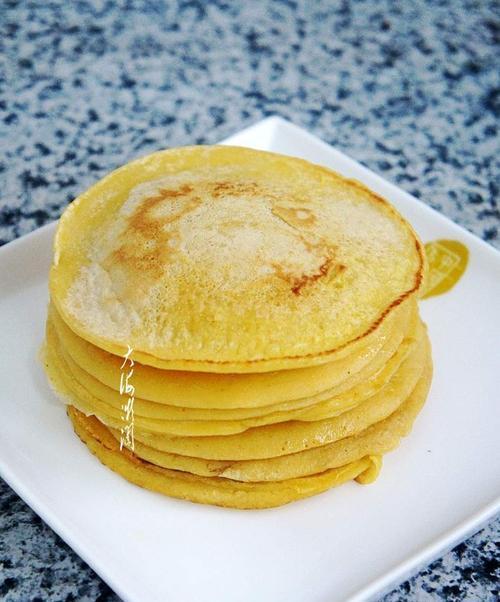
(349, 543)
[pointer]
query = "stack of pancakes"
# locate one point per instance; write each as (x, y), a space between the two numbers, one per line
(267, 308)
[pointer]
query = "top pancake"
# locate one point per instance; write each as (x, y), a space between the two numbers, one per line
(226, 259)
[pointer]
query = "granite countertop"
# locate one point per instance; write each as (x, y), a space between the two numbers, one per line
(410, 88)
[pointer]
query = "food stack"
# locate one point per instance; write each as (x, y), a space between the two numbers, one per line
(236, 327)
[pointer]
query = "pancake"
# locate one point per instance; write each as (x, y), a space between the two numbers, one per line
(267, 312)
(230, 260)
(290, 437)
(376, 440)
(210, 490)
(72, 393)
(343, 396)
(107, 404)
(99, 394)
(230, 391)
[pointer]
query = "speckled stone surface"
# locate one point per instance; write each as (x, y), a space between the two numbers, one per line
(410, 88)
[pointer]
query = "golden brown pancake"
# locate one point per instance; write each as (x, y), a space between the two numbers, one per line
(266, 312)
(263, 493)
(377, 439)
(210, 490)
(290, 437)
(225, 259)
(92, 397)
(197, 390)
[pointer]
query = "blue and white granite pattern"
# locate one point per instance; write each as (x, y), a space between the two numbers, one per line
(410, 88)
